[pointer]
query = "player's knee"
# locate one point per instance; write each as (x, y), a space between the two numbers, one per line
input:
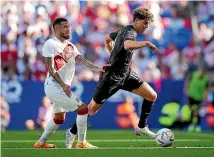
(153, 96)
(82, 110)
(58, 120)
(92, 110)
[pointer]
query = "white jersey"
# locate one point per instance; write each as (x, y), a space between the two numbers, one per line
(64, 58)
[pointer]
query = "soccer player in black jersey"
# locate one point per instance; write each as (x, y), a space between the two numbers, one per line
(120, 76)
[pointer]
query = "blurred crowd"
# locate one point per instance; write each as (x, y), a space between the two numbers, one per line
(26, 25)
(45, 114)
(5, 114)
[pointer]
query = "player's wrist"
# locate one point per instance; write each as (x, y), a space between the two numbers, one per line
(147, 43)
(96, 68)
(62, 85)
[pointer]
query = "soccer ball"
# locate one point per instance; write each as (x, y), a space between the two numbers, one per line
(165, 137)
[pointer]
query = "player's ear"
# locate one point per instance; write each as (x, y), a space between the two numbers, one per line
(137, 21)
(56, 28)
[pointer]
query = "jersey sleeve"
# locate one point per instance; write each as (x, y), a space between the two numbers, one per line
(113, 35)
(130, 35)
(48, 50)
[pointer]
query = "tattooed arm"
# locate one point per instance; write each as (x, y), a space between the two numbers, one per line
(80, 59)
(50, 64)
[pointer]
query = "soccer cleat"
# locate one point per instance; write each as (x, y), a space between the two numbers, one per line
(198, 129)
(145, 131)
(69, 139)
(46, 145)
(191, 128)
(86, 145)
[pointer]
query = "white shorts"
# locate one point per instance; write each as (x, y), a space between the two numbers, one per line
(62, 103)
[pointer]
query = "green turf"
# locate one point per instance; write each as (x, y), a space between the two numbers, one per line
(112, 144)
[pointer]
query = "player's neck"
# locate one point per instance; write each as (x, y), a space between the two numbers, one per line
(61, 39)
(133, 25)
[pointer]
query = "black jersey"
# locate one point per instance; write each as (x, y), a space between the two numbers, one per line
(118, 75)
(120, 58)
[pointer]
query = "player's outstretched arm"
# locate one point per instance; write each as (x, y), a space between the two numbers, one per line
(107, 43)
(80, 59)
(132, 45)
(50, 64)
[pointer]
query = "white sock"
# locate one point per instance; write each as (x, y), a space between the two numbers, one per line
(50, 128)
(82, 127)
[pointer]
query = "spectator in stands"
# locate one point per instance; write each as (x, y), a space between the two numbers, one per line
(126, 114)
(191, 53)
(205, 33)
(209, 54)
(25, 28)
(44, 115)
(5, 114)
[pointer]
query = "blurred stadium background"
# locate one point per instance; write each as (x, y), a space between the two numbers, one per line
(183, 31)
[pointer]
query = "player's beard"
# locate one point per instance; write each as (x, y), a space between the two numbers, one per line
(62, 35)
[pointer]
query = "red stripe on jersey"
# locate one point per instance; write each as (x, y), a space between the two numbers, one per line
(63, 58)
(59, 62)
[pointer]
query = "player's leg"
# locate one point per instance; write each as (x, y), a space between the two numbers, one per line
(79, 127)
(149, 98)
(195, 118)
(191, 104)
(51, 127)
(101, 94)
(58, 97)
(134, 84)
(74, 104)
(99, 97)
(81, 121)
(93, 107)
(71, 134)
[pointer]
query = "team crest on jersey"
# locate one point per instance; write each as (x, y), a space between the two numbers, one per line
(63, 57)
(68, 52)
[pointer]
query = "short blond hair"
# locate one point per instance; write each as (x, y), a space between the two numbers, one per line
(143, 13)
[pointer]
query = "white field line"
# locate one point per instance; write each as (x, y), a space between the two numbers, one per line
(117, 148)
(105, 140)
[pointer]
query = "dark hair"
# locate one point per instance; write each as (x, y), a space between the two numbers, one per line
(58, 21)
(142, 13)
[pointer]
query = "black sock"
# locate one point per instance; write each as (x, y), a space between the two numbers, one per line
(145, 110)
(73, 129)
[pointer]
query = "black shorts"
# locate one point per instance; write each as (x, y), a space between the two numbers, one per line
(108, 86)
(194, 102)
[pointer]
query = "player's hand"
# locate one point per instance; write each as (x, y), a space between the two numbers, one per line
(102, 68)
(66, 88)
(153, 47)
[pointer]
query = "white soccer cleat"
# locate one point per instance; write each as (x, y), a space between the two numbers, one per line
(145, 131)
(85, 145)
(69, 139)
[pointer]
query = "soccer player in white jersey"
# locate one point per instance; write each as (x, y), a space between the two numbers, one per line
(60, 56)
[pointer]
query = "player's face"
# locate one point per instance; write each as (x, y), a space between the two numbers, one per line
(65, 30)
(201, 72)
(142, 25)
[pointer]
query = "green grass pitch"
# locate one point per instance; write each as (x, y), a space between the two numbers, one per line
(121, 143)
